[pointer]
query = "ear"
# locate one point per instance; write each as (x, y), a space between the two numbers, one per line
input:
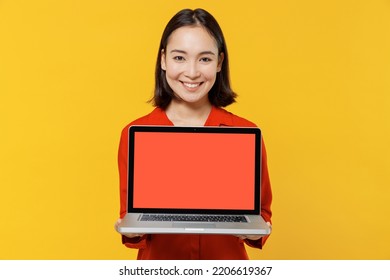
(162, 62)
(220, 61)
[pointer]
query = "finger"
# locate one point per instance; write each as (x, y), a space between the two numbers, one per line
(270, 226)
(117, 223)
(242, 237)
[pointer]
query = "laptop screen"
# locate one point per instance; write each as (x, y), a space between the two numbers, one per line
(199, 169)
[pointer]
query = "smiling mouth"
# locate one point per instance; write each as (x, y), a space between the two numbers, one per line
(192, 85)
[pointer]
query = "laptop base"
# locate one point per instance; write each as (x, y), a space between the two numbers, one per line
(131, 224)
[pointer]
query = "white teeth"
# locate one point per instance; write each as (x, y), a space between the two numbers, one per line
(191, 85)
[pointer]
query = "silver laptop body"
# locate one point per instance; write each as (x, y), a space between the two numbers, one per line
(194, 180)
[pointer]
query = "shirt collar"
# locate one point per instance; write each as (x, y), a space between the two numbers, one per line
(217, 117)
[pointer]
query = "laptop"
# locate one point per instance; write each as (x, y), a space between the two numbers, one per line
(203, 180)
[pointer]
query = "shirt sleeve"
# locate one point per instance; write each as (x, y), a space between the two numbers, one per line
(122, 165)
(266, 199)
(136, 242)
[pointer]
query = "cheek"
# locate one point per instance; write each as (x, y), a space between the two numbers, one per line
(173, 71)
(210, 74)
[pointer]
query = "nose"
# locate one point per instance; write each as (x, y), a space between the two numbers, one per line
(192, 70)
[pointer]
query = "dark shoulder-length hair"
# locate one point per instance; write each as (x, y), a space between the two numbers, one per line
(221, 94)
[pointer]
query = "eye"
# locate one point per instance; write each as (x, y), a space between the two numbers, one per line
(205, 59)
(179, 58)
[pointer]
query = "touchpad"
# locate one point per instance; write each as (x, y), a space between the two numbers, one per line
(194, 225)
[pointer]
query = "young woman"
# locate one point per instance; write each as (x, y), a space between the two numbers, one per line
(191, 87)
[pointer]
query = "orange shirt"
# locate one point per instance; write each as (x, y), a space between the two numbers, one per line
(191, 246)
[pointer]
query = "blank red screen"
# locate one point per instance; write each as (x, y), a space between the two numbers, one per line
(194, 170)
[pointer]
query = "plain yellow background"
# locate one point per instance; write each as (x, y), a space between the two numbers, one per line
(314, 75)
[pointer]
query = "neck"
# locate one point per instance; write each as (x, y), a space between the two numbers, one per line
(186, 114)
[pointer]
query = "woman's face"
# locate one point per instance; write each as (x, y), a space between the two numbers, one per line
(191, 62)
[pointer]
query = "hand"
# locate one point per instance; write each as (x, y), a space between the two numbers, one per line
(129, 235)
(254, 236)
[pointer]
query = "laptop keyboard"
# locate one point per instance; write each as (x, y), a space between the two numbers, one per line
(194, 218)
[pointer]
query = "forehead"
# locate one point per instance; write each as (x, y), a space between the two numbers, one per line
(192, 39)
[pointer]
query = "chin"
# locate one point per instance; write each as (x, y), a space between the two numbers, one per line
(192, 100)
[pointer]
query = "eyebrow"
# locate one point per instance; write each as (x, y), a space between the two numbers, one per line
(201, 53)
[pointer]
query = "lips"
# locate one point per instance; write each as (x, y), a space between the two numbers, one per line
(192, 86)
